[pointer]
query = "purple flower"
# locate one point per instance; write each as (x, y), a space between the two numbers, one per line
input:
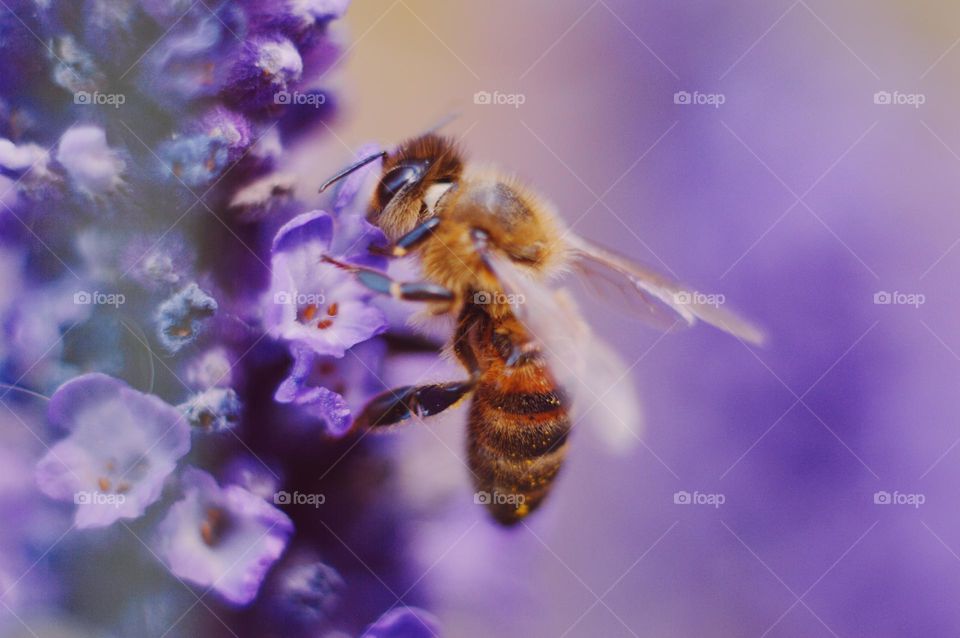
(311, 302)
(306, 591)
(37, 326)
(298, 19)
(195, 160)
(122, 445)
(353, 233)
(183, 316)
(224, 538)
(213, 410)
(193, 59)
(17, 158)
(93, 167)
(233, 129)
(404, 622)
(157, 262)
(333, 390)
(252, 475)
(267, 68)
(75, 69)
(211, 368)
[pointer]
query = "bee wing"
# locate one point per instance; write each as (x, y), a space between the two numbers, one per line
(593, 375)
(660, 298)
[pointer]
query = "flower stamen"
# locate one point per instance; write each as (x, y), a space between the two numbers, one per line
(214, 526)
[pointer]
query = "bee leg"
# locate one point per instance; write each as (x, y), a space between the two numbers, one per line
(410, 240)
(400, 404)
(383, 284)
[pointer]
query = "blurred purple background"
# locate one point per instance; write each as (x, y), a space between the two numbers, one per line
(798, 158)
(800, 198)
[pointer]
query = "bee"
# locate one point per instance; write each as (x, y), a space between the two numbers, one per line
(489, 249)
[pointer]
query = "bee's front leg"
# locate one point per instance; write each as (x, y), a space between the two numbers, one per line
(410, 240)
(383, 284)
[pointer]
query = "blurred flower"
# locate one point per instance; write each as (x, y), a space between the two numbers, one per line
(225, 538)
(266, 67)
(307, 591)
(122, 445)
(404, 622)
(194, 160)
(213, 410)
(182, 317)
(93, 168)
(252, 475)
(210, 369)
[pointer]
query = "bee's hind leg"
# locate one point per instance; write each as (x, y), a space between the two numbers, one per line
(383, 284)
(400, 404)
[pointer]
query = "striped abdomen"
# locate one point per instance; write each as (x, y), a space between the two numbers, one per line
(517, 430)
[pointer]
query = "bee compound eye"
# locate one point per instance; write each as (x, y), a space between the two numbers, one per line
(397, 178)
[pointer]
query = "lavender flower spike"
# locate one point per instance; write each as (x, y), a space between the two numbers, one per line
(122, 445)
(224, 538)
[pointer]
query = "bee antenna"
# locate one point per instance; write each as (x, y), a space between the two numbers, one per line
(352, 168)
(442, 122)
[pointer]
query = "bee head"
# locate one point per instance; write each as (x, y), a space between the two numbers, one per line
(415, 178)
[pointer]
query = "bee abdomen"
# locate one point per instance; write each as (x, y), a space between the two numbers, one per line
(517, 441)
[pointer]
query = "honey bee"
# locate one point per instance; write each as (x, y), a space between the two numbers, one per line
(489, 248)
